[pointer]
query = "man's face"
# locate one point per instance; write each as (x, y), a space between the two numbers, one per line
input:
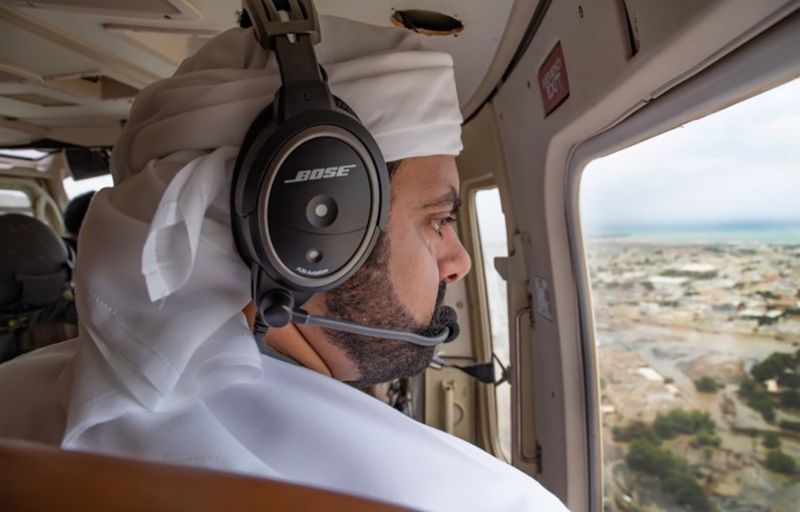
(401, 286)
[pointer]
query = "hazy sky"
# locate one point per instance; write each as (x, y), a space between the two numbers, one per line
(738, 165)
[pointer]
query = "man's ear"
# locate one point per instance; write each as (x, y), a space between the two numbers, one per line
(316, 304)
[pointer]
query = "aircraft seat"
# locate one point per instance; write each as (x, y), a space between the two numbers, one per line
(36, 478)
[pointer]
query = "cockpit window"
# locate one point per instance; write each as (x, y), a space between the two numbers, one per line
(492, 230)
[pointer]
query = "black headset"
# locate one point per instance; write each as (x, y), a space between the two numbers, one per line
(310, 191)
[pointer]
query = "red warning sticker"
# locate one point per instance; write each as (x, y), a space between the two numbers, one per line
(553, 80)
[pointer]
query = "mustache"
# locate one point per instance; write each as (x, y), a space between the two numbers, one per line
(443, 316)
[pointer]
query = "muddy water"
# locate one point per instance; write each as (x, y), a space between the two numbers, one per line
(670, 351)
(750, 348)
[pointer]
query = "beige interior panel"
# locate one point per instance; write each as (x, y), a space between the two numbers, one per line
(449, 399)
(159, 9)
(135, 44)
(42, 100)
(472, 49)
(8, 75)
(21, 48)
(172, 46)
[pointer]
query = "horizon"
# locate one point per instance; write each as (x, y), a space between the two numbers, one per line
(738, 166)
(743, 224)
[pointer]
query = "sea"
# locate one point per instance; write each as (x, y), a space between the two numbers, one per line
(785, 233)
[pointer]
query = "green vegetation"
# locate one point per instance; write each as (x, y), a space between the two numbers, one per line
(635, 431)
(773, 366)
(669, 380)
(679, 421)
(706, 384)
(672, 469)
(780, 462)
(790, 398)
(710, 274)
(771, 440)
(793, 426)
(782, 367)
(789, 380)
(676, 422)
(627, 285)
(761, 402)
(706, 438)
(648, 286)
(747, 387)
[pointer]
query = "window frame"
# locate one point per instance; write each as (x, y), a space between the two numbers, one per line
(766, 62)
(487, 348)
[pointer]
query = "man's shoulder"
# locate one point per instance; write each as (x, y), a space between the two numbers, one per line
(29, 406)
(322, 426)
(38, 361)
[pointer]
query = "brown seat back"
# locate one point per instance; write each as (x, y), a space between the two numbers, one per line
(35, 478)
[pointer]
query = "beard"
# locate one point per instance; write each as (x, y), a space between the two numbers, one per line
(369, 298)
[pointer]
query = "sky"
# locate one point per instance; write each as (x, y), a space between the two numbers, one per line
(491, 221)
(739, 165)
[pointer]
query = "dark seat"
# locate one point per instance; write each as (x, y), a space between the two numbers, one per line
(36, 477)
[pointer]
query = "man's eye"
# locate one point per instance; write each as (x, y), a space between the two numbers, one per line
(438, 224)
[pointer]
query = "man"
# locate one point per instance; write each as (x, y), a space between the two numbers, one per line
(166, 368)
(37, 306)
(73, 218)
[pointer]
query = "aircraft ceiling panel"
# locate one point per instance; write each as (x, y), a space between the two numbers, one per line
(170, 9)
(12, 136)
(51, 42)
(34, 102)
(472, 49)
(20, 48)
(89, 29)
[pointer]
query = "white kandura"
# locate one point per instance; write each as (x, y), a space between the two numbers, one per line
(165, 368)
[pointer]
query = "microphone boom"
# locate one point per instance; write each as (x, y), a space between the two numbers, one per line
(448, 333)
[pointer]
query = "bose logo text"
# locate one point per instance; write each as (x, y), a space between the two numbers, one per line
(322, 174)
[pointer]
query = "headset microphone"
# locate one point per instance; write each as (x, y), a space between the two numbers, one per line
(448, 333)
(278, 311)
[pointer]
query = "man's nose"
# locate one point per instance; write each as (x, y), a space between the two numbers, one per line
(455, 263)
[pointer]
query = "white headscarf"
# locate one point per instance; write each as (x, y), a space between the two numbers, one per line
(160, 287)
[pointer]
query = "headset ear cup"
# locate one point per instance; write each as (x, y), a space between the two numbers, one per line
(260, 123)
(341, 105)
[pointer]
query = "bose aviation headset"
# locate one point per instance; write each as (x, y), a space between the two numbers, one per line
(310, 192)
